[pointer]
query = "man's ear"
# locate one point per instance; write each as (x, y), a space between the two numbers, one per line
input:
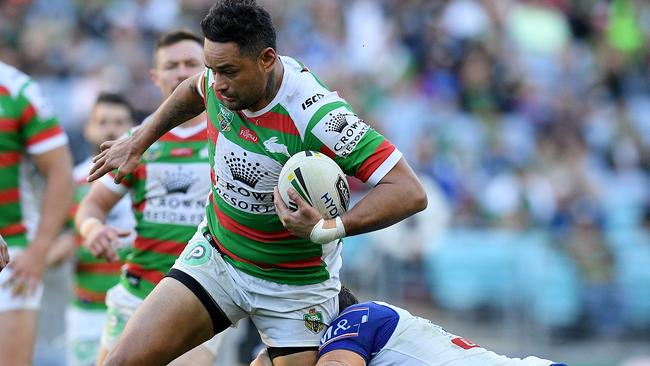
(267, 58)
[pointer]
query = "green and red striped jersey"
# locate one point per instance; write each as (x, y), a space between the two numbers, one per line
(94, 276)
(168, 194)
(27, 127)
(247, 150)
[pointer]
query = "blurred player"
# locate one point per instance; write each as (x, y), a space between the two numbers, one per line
(376, 333)
(254, 257)
(31, 142)
(110, 118)
(168, 190)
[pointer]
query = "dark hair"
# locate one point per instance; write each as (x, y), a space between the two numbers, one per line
(240, 21)
(346, 298)
(115, 98)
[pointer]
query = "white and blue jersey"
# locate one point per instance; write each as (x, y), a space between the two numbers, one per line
(385, 335)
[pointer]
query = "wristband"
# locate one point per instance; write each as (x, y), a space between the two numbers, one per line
(88, 225)
(321, 235)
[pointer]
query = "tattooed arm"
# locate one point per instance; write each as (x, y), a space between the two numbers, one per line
(124, 155)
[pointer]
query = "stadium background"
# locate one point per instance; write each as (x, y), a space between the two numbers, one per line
(529, 120)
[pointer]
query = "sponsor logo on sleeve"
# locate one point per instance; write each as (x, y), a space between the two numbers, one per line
(311, 101)
(248, 135)
(464, 343)
(349, 130)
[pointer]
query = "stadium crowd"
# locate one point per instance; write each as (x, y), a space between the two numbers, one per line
(528, 115)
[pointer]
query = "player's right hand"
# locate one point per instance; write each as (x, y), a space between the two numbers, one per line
(117, 154)
(4, 253)
(103, 240)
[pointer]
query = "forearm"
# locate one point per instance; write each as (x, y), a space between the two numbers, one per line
(57, 198)
(397, 196)
(183, 105)
(88, 209)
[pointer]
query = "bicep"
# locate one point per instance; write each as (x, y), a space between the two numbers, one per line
(57, 160)
(341, 357)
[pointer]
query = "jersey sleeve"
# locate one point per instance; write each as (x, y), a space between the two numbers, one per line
(363, 329)
(41, 131)
(360, 151)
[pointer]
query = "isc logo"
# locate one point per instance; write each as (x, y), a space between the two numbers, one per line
(311, 100)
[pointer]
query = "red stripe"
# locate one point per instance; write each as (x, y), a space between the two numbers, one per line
(89, 296)
(9, 158)
(140, 172)
(44, 135)
(326, 150)
(102, 267)
(124, 182)
(375, 160)
(159, 246)
(250, 233)
(140, 206)
(213, 132)
(3, 90)
(149, 275)
(305, 263)
(14, 229)
(200, 136)
(274, 121)
(27, 114)
(9, 196)
(8, 124)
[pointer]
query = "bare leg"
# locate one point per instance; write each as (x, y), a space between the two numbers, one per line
(307, 358)
(170, 322)
(17, 335)
(101, 356)
(198, 356)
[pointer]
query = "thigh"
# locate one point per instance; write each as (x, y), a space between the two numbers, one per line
(170, 322)
(17, 334)
(307, 358)
(299, 328)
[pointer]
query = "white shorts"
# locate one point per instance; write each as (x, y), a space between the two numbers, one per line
(8, 302)
(84, 330)
(121, 307)
(284, 315)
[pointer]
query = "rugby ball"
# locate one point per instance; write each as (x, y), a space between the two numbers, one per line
(318, 180)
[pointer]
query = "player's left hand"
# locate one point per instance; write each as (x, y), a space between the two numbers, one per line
(299, 222)
(4, 253)
(27, 271)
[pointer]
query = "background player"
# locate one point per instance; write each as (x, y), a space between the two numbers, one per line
(35, 177)
(168, 190)
(110, 118)
(276, 266)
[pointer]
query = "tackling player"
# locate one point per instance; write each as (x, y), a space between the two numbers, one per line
(376, 333)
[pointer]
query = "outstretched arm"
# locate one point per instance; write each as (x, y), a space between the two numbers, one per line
(124, 155)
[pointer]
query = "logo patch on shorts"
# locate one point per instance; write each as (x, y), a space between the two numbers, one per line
(114, 322)
(197, 254)
(314, 321)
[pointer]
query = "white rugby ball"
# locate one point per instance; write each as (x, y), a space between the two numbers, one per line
(318, 180)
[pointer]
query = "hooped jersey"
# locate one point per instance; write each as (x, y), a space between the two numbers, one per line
(168, 193)
(94, 276)
(385, 335)
(27, 127)
(247, 150)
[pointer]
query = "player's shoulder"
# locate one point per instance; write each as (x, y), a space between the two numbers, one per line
(12, 79)
(304, 94)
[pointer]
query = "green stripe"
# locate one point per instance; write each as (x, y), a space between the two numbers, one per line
(10, 214)
(11, 141)
(163, 232)
(88, 305)
(19, 241)
(9, 177)
(296, 277)
(143, 290)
